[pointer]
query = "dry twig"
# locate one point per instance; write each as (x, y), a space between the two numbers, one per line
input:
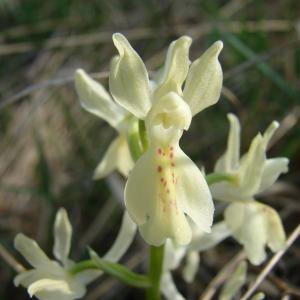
(268, 268)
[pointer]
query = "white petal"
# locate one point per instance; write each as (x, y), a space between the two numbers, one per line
(203, 241)
(229, 161)
(249, 226)
(151, 200)
(128, 79)
(270, 132)
(191, 267)
(62, 236)
(123, 241)
(176, 67)
(204, 80)
(32, 252)
(28, 277)
(173, 255)
(51, 289)
(169, 288)
(167, 119)
(192, 191)
(235, 282)
(276, 233)
(251, 169)
(117, 157)
(272, 169)
(96, 100)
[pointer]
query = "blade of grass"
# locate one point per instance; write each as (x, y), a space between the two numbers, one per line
(263, 67)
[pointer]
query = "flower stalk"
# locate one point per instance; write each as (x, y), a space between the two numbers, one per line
(155, 272)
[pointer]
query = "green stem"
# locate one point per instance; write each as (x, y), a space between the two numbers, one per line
(117, 271)
(134, 140)
(217, 177)
(155, 265)
(143, 134)
(82, 266)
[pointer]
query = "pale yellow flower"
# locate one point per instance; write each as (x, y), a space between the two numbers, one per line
(50, 279)
(165, 185)
(253, 224)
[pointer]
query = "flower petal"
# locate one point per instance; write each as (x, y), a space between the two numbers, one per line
(204, 80)
(173, 255)
(191, 267)
(229, 161)
(168, 117)
(251, 168)
(26, 278)
(33, 253)
(276, 233)
(203, 241)
(176, 67)
(249, 225)
(62, 236)
(96, 100)
(192, 191)
(253, 231)
(128, 79)
(270, 132)
(152, 204)
(272, 170)
(168, 287)
(51, 289)
(117, 157)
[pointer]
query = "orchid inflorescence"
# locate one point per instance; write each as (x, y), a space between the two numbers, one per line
(167, 198)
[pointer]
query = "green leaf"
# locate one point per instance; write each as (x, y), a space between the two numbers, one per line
(120, 272)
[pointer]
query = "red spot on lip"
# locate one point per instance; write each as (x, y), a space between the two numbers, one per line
(159, 169)
(159, 151)
(171, 148)
(171, 155)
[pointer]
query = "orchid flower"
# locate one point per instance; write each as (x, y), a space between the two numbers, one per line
(253, 224)
(165, 185)
(50, 279)
(96, 100)
(168, 181)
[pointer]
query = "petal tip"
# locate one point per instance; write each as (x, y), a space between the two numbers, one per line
(217, 47)
(186, 40)
(275, 124)
(79, 72)
(19, 239)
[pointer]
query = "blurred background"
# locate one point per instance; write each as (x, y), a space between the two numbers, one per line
(50, 146)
